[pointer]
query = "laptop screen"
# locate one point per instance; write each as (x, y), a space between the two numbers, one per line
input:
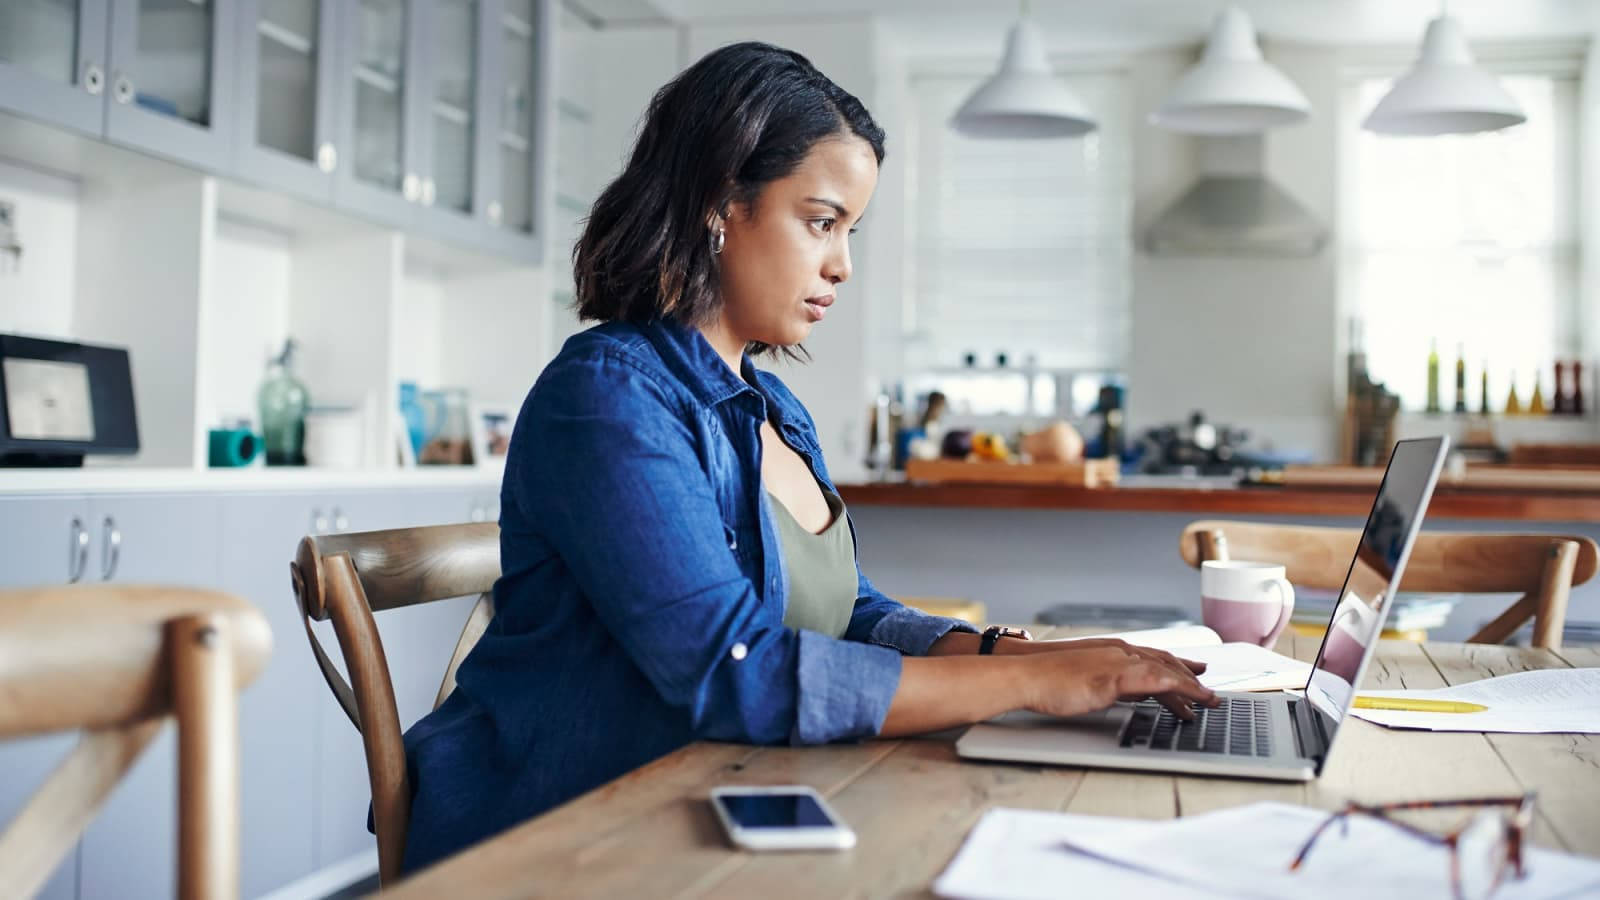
(1374, 575)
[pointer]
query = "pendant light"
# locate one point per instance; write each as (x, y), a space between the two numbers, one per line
(1024, 98)
(1232, 90)
(1446, 91)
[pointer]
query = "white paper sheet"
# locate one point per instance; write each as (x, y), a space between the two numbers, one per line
(1544, 701)
(1229, 667)
(1246, 851)
(1020, 854)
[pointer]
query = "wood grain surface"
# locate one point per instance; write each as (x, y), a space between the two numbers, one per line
(911, 802)
(1516, 506)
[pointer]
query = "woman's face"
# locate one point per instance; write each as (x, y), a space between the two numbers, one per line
(784, 255)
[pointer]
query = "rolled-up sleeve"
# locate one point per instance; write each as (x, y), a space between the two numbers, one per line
(616, 485)
(884, 621)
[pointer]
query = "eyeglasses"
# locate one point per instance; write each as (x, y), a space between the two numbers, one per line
(1482, 850)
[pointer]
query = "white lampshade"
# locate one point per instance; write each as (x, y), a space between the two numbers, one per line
(1024, 99)
(1232, 90)
(1445, 92)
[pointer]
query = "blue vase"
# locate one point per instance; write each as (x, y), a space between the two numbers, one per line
(411, 411)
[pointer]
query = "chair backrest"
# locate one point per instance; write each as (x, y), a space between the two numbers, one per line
(115, 660)
(1541, 567)
(345, 578)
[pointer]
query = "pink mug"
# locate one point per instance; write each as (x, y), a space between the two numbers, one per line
(1245, 601)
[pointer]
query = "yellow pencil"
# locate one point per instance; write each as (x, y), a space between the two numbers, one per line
(1410, 705)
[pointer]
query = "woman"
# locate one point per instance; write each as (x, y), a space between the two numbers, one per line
(677, 565)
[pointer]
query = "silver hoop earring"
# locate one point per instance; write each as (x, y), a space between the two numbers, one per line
(718, 239)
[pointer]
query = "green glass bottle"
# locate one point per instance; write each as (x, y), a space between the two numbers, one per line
(1433, 377)
(283, 401)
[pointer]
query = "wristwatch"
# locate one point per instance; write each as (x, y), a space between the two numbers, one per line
(994, 633)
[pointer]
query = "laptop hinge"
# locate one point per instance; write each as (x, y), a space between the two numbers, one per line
(1309, 734)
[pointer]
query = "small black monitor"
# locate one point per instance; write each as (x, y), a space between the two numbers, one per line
(61, 400)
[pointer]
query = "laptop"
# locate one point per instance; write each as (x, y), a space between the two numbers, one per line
(1278, 736)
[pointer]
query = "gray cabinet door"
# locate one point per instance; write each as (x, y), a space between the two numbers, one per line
(171, 80)
(130, 850)
(518, 114)
(460, 141)
(278, 713)
(417, 642)
(382, 107)
(44, 543)
(287, 89)
(53, 61)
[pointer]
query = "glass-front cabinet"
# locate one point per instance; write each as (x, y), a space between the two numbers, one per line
(53, 61)
(287, 95)
(171, 78)
(383, 104)
(523, 71)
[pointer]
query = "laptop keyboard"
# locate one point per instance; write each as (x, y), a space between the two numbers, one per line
(1238, 727)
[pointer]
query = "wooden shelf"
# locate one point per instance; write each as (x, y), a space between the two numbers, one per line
(1522, 506)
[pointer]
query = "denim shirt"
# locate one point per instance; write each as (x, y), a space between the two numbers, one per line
(640, 605)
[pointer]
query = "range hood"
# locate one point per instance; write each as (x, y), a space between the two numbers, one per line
(1233, 209)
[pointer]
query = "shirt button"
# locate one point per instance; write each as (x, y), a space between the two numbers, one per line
(739, 651)
(733, 543)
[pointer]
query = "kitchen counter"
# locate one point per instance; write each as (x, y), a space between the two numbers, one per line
(1448, 503)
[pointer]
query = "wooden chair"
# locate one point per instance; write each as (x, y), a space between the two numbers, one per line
(1541, 567)
(346, 578)
(115, 660)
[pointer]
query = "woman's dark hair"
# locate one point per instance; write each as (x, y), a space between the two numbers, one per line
(743, 116)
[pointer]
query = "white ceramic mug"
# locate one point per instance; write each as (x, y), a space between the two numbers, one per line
(1245, 601)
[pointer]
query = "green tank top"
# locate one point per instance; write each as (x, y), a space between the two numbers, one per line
(822, 569)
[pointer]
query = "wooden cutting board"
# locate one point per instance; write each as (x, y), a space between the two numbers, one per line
(1089, 473)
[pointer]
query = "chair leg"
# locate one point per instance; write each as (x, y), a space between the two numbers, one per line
(1213, 545)
(205, 703)
(1555, 586)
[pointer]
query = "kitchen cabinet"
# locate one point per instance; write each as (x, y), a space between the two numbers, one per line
(130, 849)
(169, 83)
(53, 61)
(287, 100)
(47, 541)
(383, 104)
(303, 783)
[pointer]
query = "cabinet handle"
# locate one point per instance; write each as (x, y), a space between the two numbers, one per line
(94, 79)
(496, 211)
(411, 187)
(110, 549)
(428, 189)
(123, 89)
(327, 157)
(340, 522)
(77, 551)
(319, 522)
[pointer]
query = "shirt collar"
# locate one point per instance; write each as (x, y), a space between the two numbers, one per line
(697, 364)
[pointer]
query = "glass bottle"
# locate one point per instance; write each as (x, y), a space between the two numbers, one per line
(1559, 396)
(1461, 379)
(1513, 405)
(1483, 400)
(1433, 377)
(283, 401)
(1536, 405)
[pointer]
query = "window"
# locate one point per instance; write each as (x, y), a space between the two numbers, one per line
(1467, 240)
(1020, 247)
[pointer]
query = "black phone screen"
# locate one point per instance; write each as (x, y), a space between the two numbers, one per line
(774, 811)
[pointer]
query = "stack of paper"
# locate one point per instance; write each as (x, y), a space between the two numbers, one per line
(1544, 701)
(1242, 852)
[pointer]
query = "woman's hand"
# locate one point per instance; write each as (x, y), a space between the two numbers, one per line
(1008, 646)
(1087, 679)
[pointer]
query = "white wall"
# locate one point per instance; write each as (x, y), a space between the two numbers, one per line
(37, 291)
(250, 303)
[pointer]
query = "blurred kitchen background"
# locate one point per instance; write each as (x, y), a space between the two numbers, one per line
(302, 259)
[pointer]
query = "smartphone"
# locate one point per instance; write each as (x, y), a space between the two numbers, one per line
(782, 817)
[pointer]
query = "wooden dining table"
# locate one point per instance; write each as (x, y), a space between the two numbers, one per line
(651, 833)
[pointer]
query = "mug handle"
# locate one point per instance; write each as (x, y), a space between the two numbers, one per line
(1286, 598)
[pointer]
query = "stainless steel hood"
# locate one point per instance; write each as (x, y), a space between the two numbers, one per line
(1233, 209)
